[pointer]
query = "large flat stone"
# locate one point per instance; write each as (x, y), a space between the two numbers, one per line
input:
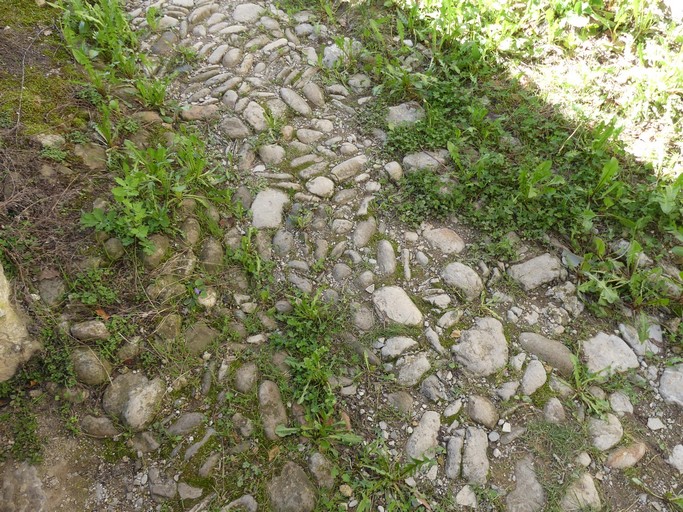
(393, 303)
(267, 208)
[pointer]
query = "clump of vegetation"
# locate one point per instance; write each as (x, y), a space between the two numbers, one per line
(308, 333)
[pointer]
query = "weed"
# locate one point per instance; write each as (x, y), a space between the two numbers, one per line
(582, 380)
(383, 479)
(152, 91)
(91, 288)
(120, 330)
(307, 337)
(53, 153)
(248, 257)
(26, 445)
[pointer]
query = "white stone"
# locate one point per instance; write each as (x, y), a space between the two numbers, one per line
(393, 303)
(671, 385)
(537, 271)
(534, 377)
(247, 13)
(464, 279)
(423, 441)
(608, 353)
(444, 240)
(267, 208)
(321, 186)
(483, 349)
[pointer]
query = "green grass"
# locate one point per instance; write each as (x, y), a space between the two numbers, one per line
(520, 163)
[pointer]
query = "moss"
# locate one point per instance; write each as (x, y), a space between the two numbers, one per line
(43, 104)
(114, 451)
(26, 13)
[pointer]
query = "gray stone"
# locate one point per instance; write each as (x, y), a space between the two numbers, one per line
(552, 352)
(507, 390)
(246, 377)
(308, 136)
(364, 232)
(605, 433)
(211, 255)
(117, 393)
(187, 492)
(267, 208)
(169, 327)
(273, 412)
(405, 114)
(51, 291)
(246, 503)
(271, 154)
(200, 113)
(466, 497)
(475, 462)
(464, 279)
(292, 491)
(528, 495)
(243, 425)
(321, 187)
(295, 102)
(255, 116)
(671, 385)
(114, 249)
(191, 230)
(142, 404)
(186, 423)
(427, 160)
(632, 338)
(386, 258)
(433, 389)
(98, 427)
(412, 369)
(581, 496)
(199, 336)
(393, 304)
(394, 171)
(314, 94)
(481, 410)
(396, 346)
(534, 377)
(363, 318)
(21, 489)
(423, 442)
(232, 58)
(626, 456)
(454, 454)
(537, 271)
(620, 403)
(93, 155)
(159, 248)
(483, 349)
(144, 442)
(89, 368)
(608, 353)
(553, 411)
(322, 470)
(444, 240)
(92, 330)
(161, 487)
(401, 401)
(234, 128)
(283, 242)
(247, 13)
(349, 168)
(676, 458)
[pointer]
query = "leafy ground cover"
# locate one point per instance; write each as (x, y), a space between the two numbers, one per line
(525, 163)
